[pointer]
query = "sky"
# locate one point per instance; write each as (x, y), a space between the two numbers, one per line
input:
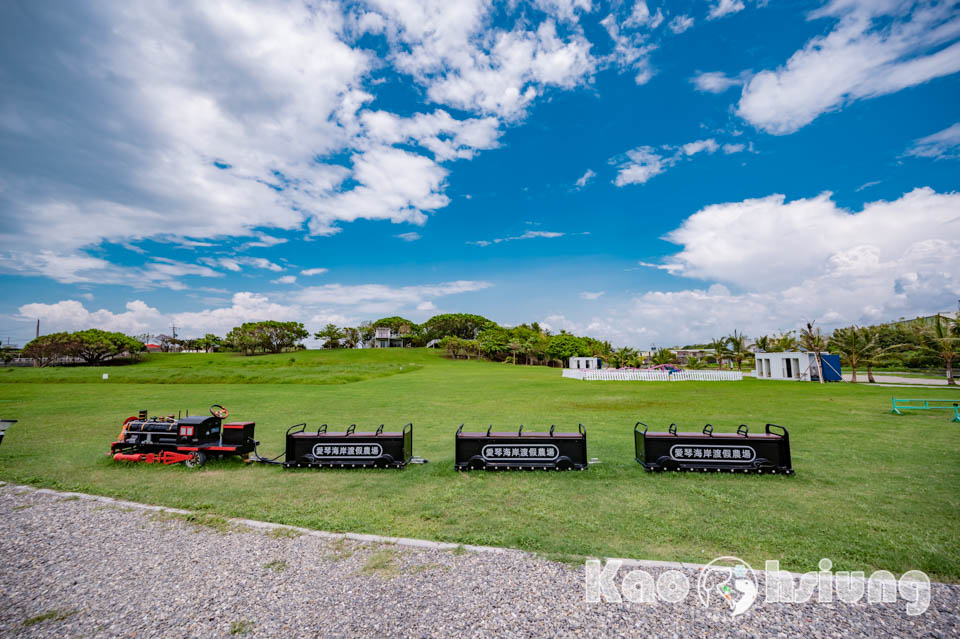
(647, 172)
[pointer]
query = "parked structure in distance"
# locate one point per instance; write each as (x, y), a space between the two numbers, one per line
(800, 366)
(591, 363)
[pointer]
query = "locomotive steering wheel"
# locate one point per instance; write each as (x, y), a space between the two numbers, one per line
(219, 411)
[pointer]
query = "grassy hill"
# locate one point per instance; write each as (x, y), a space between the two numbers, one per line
(872, 490)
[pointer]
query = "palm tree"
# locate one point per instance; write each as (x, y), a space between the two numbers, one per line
(663, 356)
(813, 341)
(785, 342)
(762, 343)
(719, 347)
(850, 343)
(738, 348)
(526, 348)
(874, 352)
(514, 347)
(695, 363)
(943, 342)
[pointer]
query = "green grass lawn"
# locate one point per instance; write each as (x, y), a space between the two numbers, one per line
(872, 490)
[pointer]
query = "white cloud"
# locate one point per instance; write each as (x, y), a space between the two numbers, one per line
(379, 298)
(236, 264)
(409, 237)
(315, 306)
(670, 268)
(74, 268)
(245, 307)
(631, 50)
(564, 9)
(452, 50)
(867, 185)
(875, 48)
(394, 185)
(590, 295)
(71, 315)
(681, 23)
(640, 16)
(447, 138)
(943, 145)
(725, 8)
(715, 81)
(215, 95)
(586, 177)
(769, 243)
(236, 107)
(692, 148)
(286, 279)
(642, 164)
(776, 264)
(314, 271)
(528, 235)
(263, 240)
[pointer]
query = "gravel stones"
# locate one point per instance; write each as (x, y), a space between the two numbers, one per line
(78, 567)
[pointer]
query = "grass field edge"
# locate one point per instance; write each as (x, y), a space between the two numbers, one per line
(377, 539)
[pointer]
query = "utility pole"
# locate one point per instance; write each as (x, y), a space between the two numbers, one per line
(173, 331)
(38, 327)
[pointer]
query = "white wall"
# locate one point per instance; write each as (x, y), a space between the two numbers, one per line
(794, 366)
(585, 363)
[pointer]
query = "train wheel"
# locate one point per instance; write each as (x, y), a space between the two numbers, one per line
(196, 460)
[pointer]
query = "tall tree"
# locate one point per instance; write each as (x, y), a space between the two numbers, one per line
(850, 343)
(462, 325)
(738, 348)
(812, 340)
(719, 347)
(351, 337)
(47, 349)
(943, 340)
(564, 346)
(95, 346)
(330, 335)
(663, 356)
(762, 343)
(784, 342)
(267, 336)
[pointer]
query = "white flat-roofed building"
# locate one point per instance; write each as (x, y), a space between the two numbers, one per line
(586, 363)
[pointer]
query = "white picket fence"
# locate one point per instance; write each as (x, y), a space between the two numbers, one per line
(628, 375)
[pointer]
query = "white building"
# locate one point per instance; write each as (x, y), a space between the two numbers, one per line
(591, 363)
(786, 366)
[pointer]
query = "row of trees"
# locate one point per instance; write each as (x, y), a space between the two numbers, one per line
(92, 346)
(914, 344)
(267, 337)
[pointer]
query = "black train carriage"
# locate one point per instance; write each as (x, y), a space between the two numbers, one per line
(191, 440)
(740, 452)
(521, 450)
(348, 449)
(4, 424)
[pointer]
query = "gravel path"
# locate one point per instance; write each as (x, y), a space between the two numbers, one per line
(886, 380)
(80, 568)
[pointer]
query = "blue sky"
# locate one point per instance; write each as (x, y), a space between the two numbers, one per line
(644, 172)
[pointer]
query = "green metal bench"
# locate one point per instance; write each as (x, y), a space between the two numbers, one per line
(927, 404)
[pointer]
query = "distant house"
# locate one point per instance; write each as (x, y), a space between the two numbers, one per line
(591, 363)
(153, 348)
(386, 337)
(684, 355)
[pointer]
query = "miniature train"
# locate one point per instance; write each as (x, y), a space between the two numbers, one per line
(192, 440)
(521, 450)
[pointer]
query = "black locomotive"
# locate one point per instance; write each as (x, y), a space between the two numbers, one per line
(191, 440)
